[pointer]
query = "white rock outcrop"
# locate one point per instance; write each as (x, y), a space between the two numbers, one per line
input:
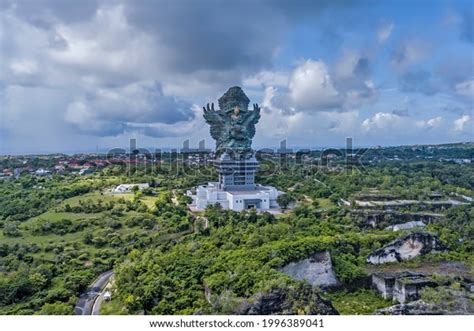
(407, 247)
(316, 270)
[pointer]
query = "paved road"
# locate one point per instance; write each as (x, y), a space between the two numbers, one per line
(98, 303)
(86, 303)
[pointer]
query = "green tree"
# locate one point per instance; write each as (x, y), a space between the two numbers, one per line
(284, 200)
(56, 308)
(11, 229)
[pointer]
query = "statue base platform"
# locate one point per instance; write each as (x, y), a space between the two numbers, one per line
(262, 198)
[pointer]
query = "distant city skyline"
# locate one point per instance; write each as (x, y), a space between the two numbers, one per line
(79, 74)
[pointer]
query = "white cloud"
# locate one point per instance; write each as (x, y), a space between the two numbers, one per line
(366, 93)
(107, 46)
(381, 121)
(105, 63)
(352, 78)
(24, 67)
(311, 87)
(462, 123)
(434, 122)
(385, 31)
(344, 123)
(344, 68)
(267, 78)
(79, 114)
(430, 123)
(393, 124)
(268, 96)
(465, 88)
(279, 122)
(303, 128)
(22, 48)
(103, 50)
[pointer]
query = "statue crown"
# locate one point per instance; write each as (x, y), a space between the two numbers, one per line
(234, 96)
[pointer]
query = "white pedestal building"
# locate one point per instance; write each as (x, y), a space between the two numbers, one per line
(236, 188)
(260, 198)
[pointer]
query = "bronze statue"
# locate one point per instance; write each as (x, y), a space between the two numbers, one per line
(233, 125)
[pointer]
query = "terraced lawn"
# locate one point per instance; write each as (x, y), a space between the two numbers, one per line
(54, 215)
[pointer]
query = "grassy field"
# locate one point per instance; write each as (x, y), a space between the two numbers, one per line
(325, 203)
(28, 237)
(113, 307)
(149, 201)
(54, 214)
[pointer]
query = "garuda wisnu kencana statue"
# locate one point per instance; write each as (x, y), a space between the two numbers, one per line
(233, 125)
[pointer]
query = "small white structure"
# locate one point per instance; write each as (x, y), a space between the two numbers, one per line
(85, 171)
(260, 197)
(127, 188)
(42, 172)
(107, 296)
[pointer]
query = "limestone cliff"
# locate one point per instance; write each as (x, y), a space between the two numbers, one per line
(316, 270)
(289, 301)
(407, 247)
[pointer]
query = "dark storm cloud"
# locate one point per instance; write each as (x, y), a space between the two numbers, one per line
(106, 53)
(192, 35)
(216, 36)
(195, 36)
(112, 111)
(207, 35)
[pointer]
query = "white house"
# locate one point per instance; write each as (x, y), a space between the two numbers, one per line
(127, 188)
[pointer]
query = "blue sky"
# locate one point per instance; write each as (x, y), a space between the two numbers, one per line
(79, 74)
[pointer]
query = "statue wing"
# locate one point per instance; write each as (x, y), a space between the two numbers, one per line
(251, 119)
(215, 120)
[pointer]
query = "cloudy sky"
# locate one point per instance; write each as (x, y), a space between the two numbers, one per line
(79, 74)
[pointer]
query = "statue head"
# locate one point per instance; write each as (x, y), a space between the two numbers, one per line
(236, 110)
(234, 97)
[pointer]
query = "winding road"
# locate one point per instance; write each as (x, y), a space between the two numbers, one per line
(90, 301)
